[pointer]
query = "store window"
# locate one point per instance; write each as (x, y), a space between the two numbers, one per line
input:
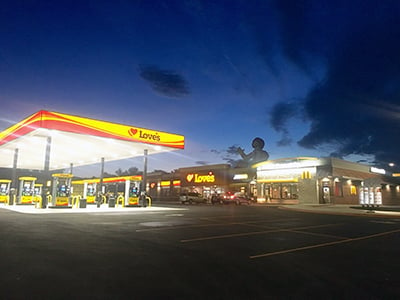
(282, 190)
(353, 190)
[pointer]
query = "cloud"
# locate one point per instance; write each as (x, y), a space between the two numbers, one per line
(356, 108)
(281, 113)
(164, 82)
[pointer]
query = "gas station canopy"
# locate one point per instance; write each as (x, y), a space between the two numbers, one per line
(78, 141)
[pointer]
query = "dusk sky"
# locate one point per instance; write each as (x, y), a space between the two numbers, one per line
(312, 78)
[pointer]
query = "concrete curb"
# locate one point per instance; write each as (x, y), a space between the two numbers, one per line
(342, 210)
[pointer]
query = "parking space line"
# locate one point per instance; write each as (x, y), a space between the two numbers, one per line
(319, 234)
(178, 227)
(198, 225)
(249, 223)
(224, 236)
(324, 244)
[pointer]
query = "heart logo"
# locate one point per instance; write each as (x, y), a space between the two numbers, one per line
(189, 177)
(132, 131)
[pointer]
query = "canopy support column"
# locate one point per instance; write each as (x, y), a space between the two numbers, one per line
(14, 171)
(100, 189)
(101, 175)
(144, 179)
(47, 158)
(14, 177)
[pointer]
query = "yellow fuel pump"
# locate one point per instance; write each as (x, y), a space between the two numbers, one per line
(61, 190)
(134, 194)
(26, 190)
(91, 193)
(5, 190)
(133, 198)
(37, 193)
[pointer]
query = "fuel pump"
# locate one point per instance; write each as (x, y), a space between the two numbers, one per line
(5, 190)
(90, 193)
(26, 190)
(133, 198)
(61, 190)
(37, 192)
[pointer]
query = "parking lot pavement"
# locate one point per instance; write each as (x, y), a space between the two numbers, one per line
(197, 252)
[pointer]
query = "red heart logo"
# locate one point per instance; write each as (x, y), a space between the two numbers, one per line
(132, 131)
(189, 177)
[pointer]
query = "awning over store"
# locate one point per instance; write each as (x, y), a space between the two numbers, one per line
(78, 141)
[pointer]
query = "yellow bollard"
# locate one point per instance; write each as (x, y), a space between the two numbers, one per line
(40, 201)
(49, 199)
(149, 200)
(122, 199)
(77, 200)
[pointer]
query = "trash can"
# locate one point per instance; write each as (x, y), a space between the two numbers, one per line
(82, 203)
(111, 202)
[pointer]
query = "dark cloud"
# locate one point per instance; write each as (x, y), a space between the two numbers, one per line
(281, 113)
(230, 155)
(356, 108)
(165, 82)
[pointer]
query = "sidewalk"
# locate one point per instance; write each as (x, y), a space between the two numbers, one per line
(30, 209)
(338, 209)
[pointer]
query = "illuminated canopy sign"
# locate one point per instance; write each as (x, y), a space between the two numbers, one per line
(80, 125)
(288, 163)
(78, 141)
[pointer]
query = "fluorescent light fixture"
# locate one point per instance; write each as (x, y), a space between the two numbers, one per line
(240, 176)
(377, 170)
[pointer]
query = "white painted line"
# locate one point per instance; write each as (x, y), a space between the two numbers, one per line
(324, 244)
(224, 236)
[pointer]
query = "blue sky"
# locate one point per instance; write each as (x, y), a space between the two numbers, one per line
(312, 78)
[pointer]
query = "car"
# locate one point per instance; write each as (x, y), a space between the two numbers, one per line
(217, 199)
(192, 197)
(240, 198)
(237, 198)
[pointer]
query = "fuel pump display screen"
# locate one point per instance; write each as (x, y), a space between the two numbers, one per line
(91, 190)
(3, 189)
(63, 191)
(27, 191)
(133, 192)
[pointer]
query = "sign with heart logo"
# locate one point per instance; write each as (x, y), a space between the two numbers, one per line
(189, 177)
(132, 131)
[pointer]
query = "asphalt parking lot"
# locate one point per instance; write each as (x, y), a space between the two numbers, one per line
(198, 252)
